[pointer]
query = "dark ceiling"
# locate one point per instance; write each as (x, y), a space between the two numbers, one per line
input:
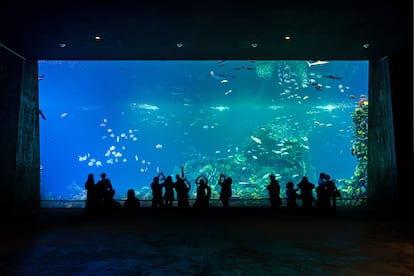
(207, 29)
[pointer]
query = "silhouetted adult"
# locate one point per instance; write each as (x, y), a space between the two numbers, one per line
(274, 192)
(306, 189)
(132, 203)
(169, 191)
(90, 192)
(332, 193)
(156, 187)
(182, 187)
(292, 195)
(321, 192)
(203, 192)
(226, 192)
(106, 194)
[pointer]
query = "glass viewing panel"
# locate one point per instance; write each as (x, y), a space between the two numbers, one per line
(246, 119)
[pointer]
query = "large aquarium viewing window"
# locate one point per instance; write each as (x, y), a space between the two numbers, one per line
(246, 119)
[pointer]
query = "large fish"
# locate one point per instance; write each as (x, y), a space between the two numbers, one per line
(318, 62)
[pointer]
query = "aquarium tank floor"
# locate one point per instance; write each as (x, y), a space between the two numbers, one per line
(236, 241)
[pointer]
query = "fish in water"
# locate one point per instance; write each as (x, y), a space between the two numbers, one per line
(318, 62)
(332, 77)
(257, 140)
(221, 76)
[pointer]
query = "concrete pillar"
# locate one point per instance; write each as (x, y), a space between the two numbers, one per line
(19, 139)
(382, 171)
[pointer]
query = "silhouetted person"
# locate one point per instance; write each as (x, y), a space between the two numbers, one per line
(90, 192)
(332, 193)
(203, 192)
(169, 191)
(292, 195)
(108, 193)
(226, 192)
(274, 192)
(321, 192)
(156, 187)
(182, 187)
(132, 203)
(306, 195)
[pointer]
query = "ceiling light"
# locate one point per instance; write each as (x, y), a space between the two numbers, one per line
(179, 45)
(98, 37)
(287, 37)
(254, 45)
(62, 45)
(366, 45)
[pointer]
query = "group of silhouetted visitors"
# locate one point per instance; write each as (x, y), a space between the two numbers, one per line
(326, 192)
(100, 196)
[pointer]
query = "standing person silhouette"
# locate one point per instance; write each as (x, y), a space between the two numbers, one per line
(203, 192)
(274, 192)
(182, 187)
(169, 191)
(156, 188)
(306, 195)
(90, 192)
(226, 192)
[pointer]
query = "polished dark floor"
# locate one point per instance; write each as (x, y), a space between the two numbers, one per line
(237, 241)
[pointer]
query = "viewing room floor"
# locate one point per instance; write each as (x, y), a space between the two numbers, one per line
(237, 241)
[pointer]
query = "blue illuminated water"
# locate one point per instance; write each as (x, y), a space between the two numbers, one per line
(132, 119)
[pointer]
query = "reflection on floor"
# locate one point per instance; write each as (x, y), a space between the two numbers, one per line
(237, 241)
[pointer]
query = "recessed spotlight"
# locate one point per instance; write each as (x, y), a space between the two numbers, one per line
(366, 45)
(287, 37)
(254, 45)
(98, 37)
(179, 45)
(62, 45)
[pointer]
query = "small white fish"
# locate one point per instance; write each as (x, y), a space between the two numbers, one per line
(257, 140)
(90, 164)
(82, 158)
(224, 81)
(63, 115)
(158, 146)
(98, 164)
(228, 92)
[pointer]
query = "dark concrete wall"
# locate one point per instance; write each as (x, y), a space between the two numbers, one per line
(19, 146)
(401, 72)
(382, 171)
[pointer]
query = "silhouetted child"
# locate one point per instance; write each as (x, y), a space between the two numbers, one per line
(203, 192)
(274, 192)
(132, 203)
(226, 192)
(292, 195)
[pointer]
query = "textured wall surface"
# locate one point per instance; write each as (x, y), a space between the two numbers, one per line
(19, 139)
(382, 171)
(27, 181)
